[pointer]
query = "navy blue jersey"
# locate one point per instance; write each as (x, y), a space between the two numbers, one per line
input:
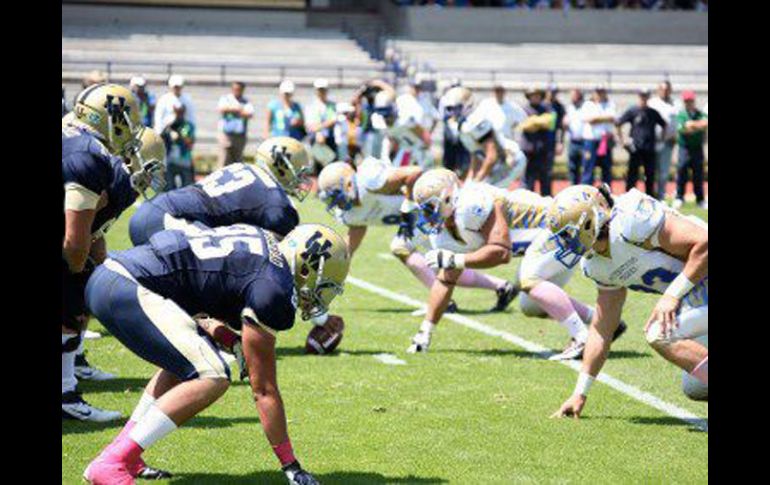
(88, 164)
(236, 194)
(226, 272)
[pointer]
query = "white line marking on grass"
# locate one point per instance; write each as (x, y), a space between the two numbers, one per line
(385, 256)
(389, 359)
(627, 389)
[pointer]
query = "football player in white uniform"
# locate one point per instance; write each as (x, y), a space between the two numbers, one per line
(635, 242)
(495, 159)
(401, 124)
(481, 226)
(376, 193)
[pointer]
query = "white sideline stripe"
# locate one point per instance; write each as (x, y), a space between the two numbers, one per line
(629, 390)
(389, 359)
(385, 256)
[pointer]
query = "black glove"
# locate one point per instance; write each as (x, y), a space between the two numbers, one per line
(298, 476)
(406, 226)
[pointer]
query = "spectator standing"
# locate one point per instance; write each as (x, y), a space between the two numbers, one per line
(284, 116)
(347, 132)
(664, 148)
(555, 136)
(641, 149)
(598, 122)
(145, 99)
(535, 140)
(179, 136)
(321, 118)
(165, 109)
(235, 112)
(691, 124)
(573, 123)
(504, 114)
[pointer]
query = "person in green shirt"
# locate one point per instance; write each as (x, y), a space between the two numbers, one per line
(691, 124)
(180, 138)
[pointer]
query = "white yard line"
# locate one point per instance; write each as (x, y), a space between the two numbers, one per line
(627, 389)
(389, 359)
(385, 256)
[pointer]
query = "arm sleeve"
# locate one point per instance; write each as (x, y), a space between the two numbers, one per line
(626, 117)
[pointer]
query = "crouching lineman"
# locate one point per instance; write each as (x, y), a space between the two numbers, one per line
(481, 226)
(635, 242)
(103, 175)
(376, 193)
(400, 125)
(238, 193)
(238, 275)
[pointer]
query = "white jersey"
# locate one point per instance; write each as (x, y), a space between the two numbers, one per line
(634, 262)
(511, 162)
(524, 210)
(372, 208)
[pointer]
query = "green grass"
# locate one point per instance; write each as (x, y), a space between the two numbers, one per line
(473, 410)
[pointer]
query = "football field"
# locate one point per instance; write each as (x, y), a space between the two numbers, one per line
(474, 410)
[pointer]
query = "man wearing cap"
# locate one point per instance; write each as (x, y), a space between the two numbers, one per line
(573, 123)
(641, 149)
(165, 112)
(284, 116)
(235, 112)
(691, 125)
(321, 117)
(537, 128)
(347, 132)
(663, 103)
(598, 122)
(145, 99)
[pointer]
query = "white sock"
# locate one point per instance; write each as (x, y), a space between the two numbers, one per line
(154, 426)
(427, 327)
(68, 379)
(145, 402)
(575, 326)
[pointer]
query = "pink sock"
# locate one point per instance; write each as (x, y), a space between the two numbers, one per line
(126, 451)
(701, 371)
(473, 279)
(417, 265)
(553, 300)
(582, 309)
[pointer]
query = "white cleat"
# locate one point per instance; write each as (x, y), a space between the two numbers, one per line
(90, 335)
(420, 343)
(573, 350)
(677, 204)
(73, 406)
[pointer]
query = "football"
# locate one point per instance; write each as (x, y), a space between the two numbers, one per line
(323, 339)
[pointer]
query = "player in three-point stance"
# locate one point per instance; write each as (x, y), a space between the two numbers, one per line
(240, 276)
(635, 242)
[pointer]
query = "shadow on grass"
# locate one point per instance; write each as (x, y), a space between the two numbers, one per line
(524, 354)
(300, 351)
(219, 422)
(86, 427)
(276, 477)
(694, 425)
(119, 384)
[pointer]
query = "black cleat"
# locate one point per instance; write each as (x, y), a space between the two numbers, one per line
(505, 296)
(150, 473)
(451, 307)
(619, 331)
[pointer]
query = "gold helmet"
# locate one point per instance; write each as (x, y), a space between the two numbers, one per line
(148, 165)
(289, 162)
(458, 102)
(576, 218)
(111, 112)
(319, 260)
(434, 193)
(337, 186)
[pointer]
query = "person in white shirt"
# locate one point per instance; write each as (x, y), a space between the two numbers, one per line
(321, 116)
(598, 124)
(664, 104)
(505, 115)
(573, 124)
(164, 110)
(235, 111)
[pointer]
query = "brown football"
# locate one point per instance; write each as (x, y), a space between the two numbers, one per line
(323, 339)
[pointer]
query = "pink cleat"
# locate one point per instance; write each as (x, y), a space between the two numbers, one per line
(102, 472)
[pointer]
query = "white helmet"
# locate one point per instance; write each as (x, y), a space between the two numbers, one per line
(459, 102)
(434, 193)
(337, 186)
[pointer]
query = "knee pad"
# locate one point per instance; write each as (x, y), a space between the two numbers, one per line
(71, 344)
(693, 388)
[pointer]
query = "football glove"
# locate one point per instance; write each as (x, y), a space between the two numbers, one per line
(297, 476)
(406, 226)
(444, 259)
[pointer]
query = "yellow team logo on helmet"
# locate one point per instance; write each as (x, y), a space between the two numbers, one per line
(434, 193)
(319, 260)
(576, 218)
(148, 164)
(111, 112)
(337, 186)
(289, 162)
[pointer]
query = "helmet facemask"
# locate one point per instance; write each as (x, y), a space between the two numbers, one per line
(315, 301)
(147, 174)
(340, 197)
(299, 183)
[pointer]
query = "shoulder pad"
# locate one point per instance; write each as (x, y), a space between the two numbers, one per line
(638, 216)
(373, 173)
(474, 206)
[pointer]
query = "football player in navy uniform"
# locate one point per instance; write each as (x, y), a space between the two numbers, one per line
(103, 174)
(238, 193)
(239, 275)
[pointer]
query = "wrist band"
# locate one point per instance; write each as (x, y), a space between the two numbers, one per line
(459, 260)
(679, 287)
(284, 452)
(583, 383)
